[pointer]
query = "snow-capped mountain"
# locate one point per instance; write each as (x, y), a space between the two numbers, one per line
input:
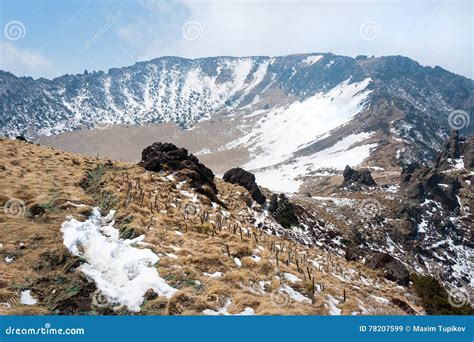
(293, 116)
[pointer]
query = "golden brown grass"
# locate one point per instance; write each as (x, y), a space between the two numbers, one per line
(189, 242)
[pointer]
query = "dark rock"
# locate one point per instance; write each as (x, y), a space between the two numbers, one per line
(455, 149)
(408, 170)
(21, 138)
(419, 183)
(247, 180)
(426, 183)
(150, 294)
(393, 269)
(36, 210)
(452, 150)
(468, 153)
(166, 156)
(354, 179)
(403, 305)
(353, 253)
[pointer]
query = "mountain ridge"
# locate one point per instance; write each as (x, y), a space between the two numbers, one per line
(312, 103)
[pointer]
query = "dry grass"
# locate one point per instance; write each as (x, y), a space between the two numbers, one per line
(191, 243)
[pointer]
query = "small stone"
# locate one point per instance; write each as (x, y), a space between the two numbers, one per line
(150, 294)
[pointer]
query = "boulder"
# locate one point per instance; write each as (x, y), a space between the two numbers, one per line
(166, 156)
(393, 269)
(36, 210)
(468, 153)
(247, 180)
(354, 179)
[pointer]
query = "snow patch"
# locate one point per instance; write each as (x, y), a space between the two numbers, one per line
(285, 176)
(224, 311)
(213, 275)
(422, 226)
(238, 262)
(311, 60)
(284, 130)
(26, 298)
(292, 277)
(295, 295)
(121, 272)
(331, 305)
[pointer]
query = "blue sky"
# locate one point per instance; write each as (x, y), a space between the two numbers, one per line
(48, 38)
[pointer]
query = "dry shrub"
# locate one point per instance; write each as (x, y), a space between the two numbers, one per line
(207, 262)
(3, 199)
(156, 306)
(184, 304)
(243, 300)
(236, 277)
(26, 310)
(248, 262)
(7, 296)
(265, 267)
(217, 293)
(241, 250)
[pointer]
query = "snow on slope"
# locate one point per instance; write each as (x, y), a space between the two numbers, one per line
(285, 176)
(121, 272)
(284, 130)
(198, 85)
(165, 90)
(310, 60)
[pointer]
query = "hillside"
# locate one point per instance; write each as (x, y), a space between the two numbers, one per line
(88, 236)
(288, 119)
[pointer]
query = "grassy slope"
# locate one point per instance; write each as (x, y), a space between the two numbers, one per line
(49, 179)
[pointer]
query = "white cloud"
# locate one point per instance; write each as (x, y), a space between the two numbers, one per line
(24, 62)
(434, 32)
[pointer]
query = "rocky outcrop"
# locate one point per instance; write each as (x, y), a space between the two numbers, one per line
(354, 179)
(427, 183)
(166, 156)
(419, 183)
(353, 253)
(408, 170)
(393, 269)
(455, 148)
(431, 213)
(469, 153)
(247, 180)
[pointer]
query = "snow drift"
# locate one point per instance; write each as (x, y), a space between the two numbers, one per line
(122, 272)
